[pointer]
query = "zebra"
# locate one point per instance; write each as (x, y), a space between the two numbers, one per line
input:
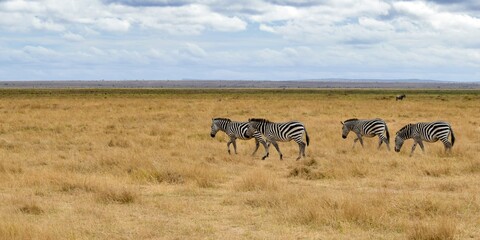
(236, 130)
(280, 132)
(367, 128)
(425, 131)
(400, 97)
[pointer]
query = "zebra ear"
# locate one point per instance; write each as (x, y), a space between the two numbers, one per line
(341, 122)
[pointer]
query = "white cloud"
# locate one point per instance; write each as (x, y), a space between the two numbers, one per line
(113, 24)
(48, 24)
(192, 52)
(374, 24)
(39, 53)
(264, 37)
(52, 15)
(73, 37)
(266, 28)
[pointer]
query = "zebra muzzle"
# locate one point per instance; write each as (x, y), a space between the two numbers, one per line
(212, 135)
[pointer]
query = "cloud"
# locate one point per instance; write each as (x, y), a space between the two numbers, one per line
(149, 3)
(73, 37)
(248, 39)
(191, 52)
(174, 17)
(113, 24)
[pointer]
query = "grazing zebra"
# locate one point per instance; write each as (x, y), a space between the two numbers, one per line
(236, 130)
(425, 131)
(367, 128)
(280, 132)
(400, 97)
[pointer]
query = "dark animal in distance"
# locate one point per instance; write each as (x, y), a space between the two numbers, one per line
(400, 97)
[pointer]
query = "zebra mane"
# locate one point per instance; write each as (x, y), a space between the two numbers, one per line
(351, 119)
(404, 127)
(258, 120)
(224, 119)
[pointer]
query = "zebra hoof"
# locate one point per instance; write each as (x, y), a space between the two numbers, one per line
(263, 158)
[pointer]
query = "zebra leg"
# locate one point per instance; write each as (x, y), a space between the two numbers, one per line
(420, 143)
(355, 141)
(301, 146)
(359, 138)
(228, 145)
(361, 141)
(413, 148)
(235, 146)
(447, 145)
(380, 141)
(266, 145)
(275, 144)
(257, 144)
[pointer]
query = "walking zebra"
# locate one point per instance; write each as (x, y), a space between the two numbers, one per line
(236, 130)
(400, 97)
(280, 132)
(367, 128)
(425, 131)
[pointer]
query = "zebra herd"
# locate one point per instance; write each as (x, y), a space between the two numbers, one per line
(267, 132)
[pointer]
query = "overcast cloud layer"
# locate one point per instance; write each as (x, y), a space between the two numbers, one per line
(249, 39)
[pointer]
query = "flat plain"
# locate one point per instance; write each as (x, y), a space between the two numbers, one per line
(140, 164)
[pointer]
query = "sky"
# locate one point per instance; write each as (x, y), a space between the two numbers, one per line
(239, 40)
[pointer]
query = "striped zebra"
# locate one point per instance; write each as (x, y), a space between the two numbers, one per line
(425, 131)
(367, 128)
(236, 130)
(280, 132)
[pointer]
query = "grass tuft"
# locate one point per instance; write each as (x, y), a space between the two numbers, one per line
(256, 180)
(31, 208)
(444, 229)
(117, 195)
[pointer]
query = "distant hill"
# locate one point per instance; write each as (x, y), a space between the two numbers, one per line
(321, 83)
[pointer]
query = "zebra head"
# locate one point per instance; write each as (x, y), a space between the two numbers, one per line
(401, 136)
(398, 143)
(347, 127)
(215, 128)
(217, 125)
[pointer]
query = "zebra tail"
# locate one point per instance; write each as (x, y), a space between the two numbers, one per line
(453, 136)
(308, 139)
(388, 134)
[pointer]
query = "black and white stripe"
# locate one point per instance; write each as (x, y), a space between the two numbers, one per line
(367, 128)
(425, 131)
(236, 130)
(280, 132)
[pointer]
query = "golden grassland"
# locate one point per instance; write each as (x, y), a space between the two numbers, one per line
(140, 164)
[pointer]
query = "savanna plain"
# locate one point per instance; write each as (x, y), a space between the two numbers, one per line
(140, 164)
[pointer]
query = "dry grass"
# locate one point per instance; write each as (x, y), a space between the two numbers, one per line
(128, 164)
(443, 229)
